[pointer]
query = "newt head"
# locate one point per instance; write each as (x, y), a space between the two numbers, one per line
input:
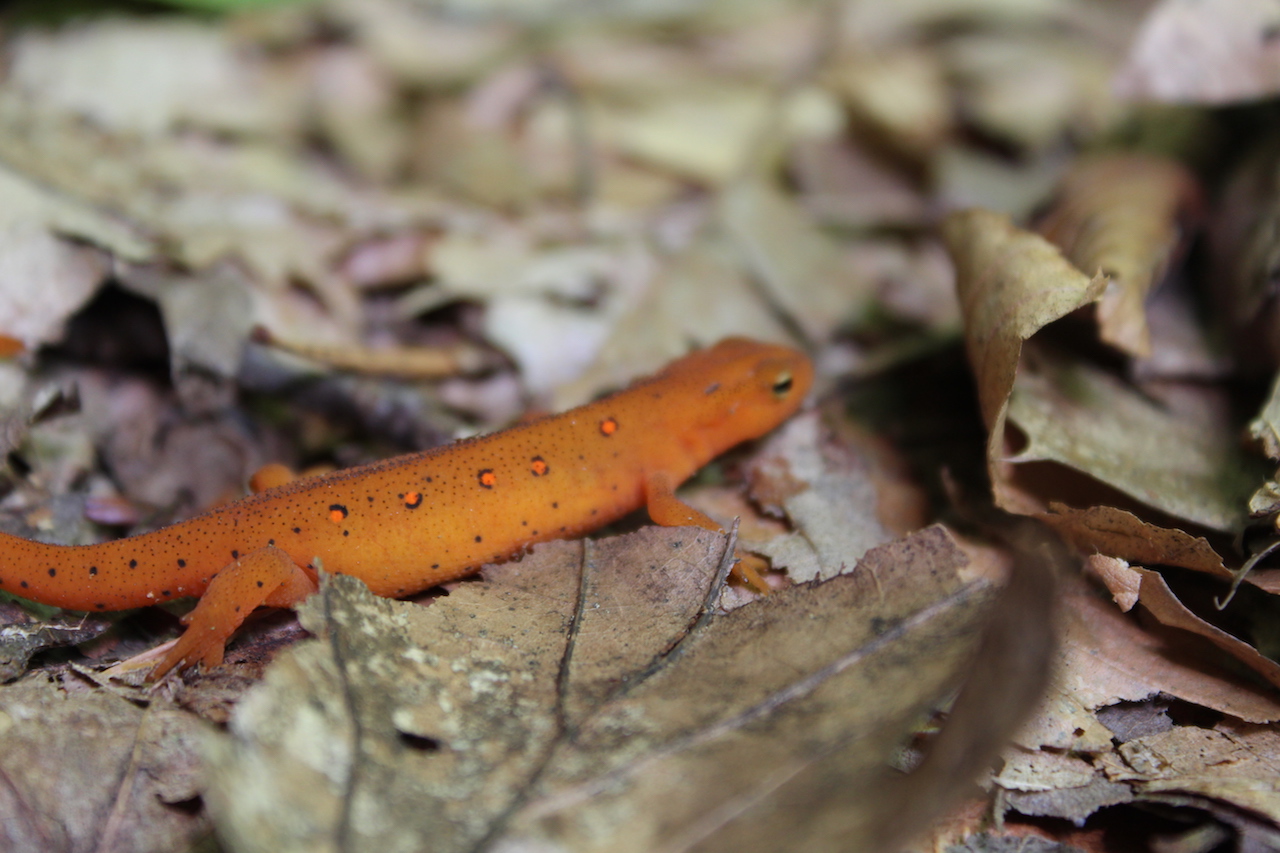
(737, 390)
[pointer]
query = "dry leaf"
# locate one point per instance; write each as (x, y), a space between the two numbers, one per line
(88, 769)
(804, 271)
(1204, 52)
(1117, 533)
(1265, 428)
(899, 95)
(1189, 467)
(1160, 601)
(1010, 283)
(142, 76)
(1121, 579)
(1119, 215)
(1032, 88)
(548, 706)
(697, 297)
(1106, 658)
(830, 497)
(1233, 762)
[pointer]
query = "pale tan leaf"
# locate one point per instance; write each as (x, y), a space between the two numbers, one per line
(804, 271)
(1121, 215)
(1234, 762)
(1010, 283)
(143, 76)
(1121, 579)
(697, 297)
(1204, 52)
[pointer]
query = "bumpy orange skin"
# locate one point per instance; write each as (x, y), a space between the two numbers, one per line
(414, 521)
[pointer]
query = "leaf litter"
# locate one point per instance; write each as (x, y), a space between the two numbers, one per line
(575, 205)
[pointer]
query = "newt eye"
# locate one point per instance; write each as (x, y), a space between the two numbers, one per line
(782, 385)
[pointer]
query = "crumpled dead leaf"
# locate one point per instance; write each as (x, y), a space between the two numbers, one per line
(560, 718)
(1232, 761)
(1010, 283)
(1112, 683)
(1121, 215)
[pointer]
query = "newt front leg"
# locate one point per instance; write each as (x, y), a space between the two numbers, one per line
(669, 511)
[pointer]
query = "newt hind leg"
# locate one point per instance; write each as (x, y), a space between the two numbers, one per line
(266, 576)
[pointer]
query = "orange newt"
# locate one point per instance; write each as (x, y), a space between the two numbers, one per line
(411, 522)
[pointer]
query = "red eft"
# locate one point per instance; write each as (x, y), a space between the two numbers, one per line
(411, 522)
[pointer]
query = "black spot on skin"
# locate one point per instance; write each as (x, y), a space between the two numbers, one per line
(182, 564)
(260, 584)
(370, 497)
(564, 529)
(100, 606)
(593, 512)
(53, 573)
(346, 533)
(479, 539)
(133, 564)
(271, 541)
(435, 565)
(524, 524)
(93, 570)
(165, 593)
(534, 533)
(429, 480)
(555, 504)
(237, 608)
(235, 555)
(23, 584)
(712, 388)
(297, 530)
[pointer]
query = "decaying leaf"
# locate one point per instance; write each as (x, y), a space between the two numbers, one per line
(1189, 466)
(804, 271)
(1117, 533)
(1120, 215)
(1159, 600)
(1035, 88)
(1107, 658)
(23, 637)
(827, 493)
(1233, 761)
(1205, 52)
(1010, 283)
(560, 718)
(698, 296)
(89, 769)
